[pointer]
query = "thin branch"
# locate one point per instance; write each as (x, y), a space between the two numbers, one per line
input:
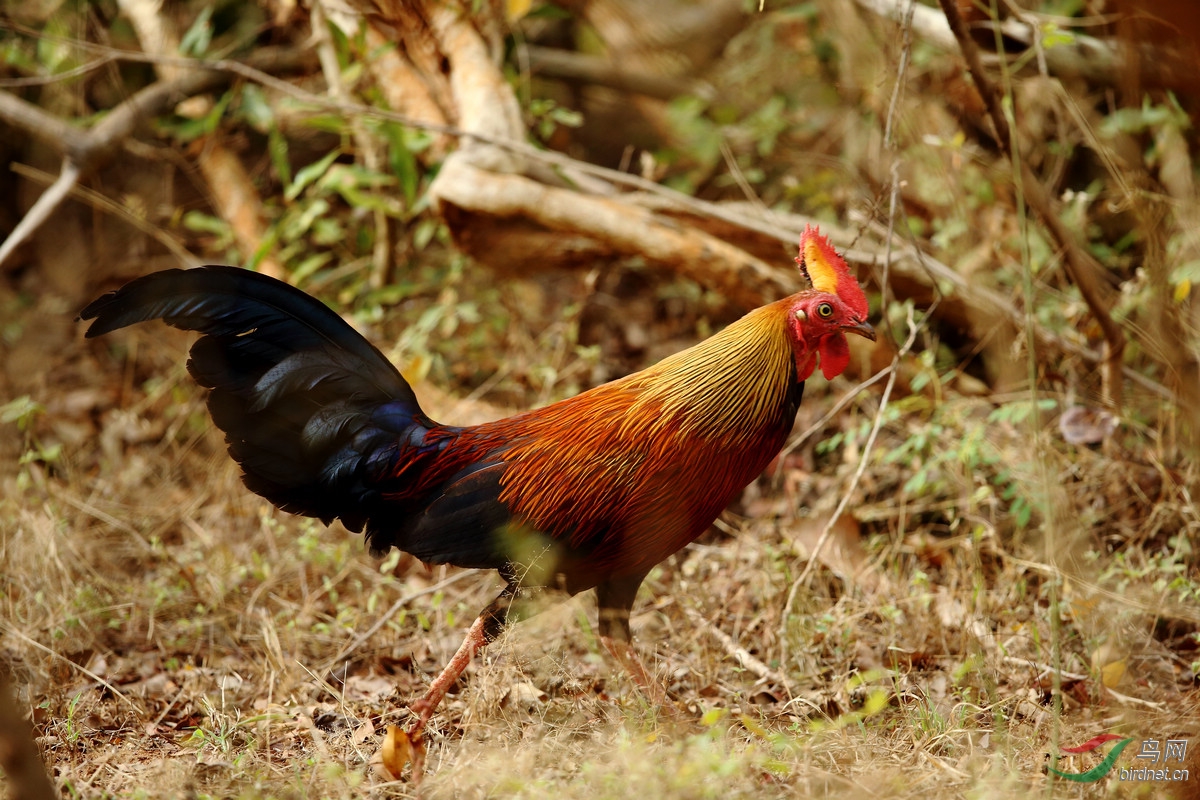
(86, 151)
(58, 77)
(1099, 61)
(1080, 266)
(627, 228)
(366, 635)
(1046, 669)
(744, 657)
(79, 667)
(109, 206)
(42, 209)
(892, 371)
(93, 148)
(41, 125)
(845, 400)
(597, 70)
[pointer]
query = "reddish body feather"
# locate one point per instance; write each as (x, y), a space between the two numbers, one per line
(625, 474)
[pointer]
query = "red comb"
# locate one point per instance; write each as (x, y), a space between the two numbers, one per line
(828, 272)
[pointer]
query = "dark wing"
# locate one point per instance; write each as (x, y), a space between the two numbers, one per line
(308, 406)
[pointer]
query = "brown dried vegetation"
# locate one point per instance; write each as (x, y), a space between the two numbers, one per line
(996, 586)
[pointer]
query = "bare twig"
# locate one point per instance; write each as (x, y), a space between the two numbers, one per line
(41, 125)
(744, 657)
(42, 209)
(102, 203)
(85, 152)
(568, 65)
(783, 228)
(1100, 61)
(369, 148)
(1047, 670)
(836, 409)
(1080, 266)
(12, 631)
(892, 371)
(626, 228)
(868, 446)
(231, 191)
(395, 607)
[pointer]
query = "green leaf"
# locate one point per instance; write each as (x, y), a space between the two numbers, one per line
(566, 117)
(403, 161)
(1187, 271)
(328, 231)
(299, 222)
(330, 123)
(424, 232)
(277, 147)
(311, 173)
(264, 247)
(199, 36)
(256, 110)
(189, 129)
(354, 182)
(206, 223)
(22, 411)
(1053, 36)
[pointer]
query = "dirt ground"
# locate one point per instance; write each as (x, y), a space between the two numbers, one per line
(175, 636)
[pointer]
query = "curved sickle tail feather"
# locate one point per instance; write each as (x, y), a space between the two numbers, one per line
(311, 410)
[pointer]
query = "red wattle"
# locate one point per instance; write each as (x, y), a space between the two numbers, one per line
(835, 355)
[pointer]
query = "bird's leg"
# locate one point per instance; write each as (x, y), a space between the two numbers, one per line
(615, 598)
(424, 708)
(627, 657)
(485, 630)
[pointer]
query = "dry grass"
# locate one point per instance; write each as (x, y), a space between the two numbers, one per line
(176, 637)
(173, 636)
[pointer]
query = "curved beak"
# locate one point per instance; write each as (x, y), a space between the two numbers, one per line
(863, 329)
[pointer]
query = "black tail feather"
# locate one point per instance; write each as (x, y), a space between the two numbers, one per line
(295, 389)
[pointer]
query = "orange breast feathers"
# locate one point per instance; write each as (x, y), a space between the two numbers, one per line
(644, 464)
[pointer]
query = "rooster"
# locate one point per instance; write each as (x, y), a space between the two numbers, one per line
(589, 492)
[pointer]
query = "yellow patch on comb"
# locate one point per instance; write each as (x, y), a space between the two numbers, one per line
(828, 272)
(819, 259)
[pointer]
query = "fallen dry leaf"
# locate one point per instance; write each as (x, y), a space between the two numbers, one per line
(369, 687)
(364, 732)
(523, 695)
(843, 551)
(1112, 672)
(396, 751)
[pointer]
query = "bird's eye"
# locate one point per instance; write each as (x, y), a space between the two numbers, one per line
(825, 311)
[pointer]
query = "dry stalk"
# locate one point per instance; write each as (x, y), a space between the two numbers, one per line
(827, 530)
(1081, 267)
(741, 655)
(13, 631)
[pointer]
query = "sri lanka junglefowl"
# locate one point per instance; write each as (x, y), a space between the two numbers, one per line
(589, 492)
